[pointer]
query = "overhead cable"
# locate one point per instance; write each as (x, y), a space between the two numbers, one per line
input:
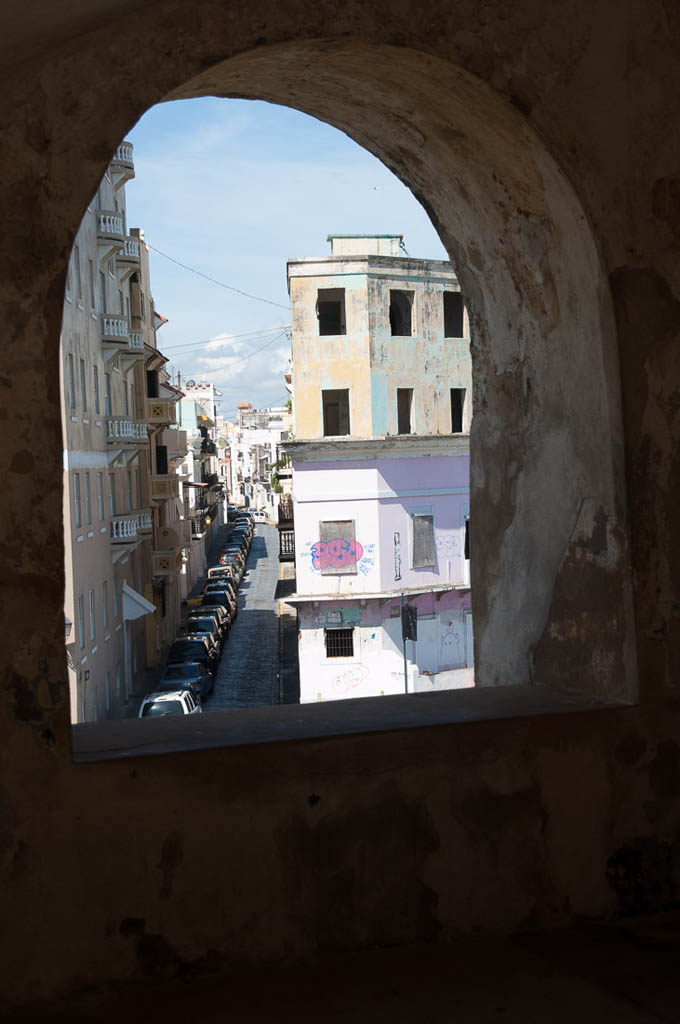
(221, 284)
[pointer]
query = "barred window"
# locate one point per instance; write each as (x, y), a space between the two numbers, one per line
(339, 643)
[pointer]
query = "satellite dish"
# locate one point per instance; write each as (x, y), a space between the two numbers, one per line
(191, 383)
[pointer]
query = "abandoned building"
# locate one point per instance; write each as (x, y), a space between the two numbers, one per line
(381, 469)
(542, 141)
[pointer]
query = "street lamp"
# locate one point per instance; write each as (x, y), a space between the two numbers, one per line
(68, 626)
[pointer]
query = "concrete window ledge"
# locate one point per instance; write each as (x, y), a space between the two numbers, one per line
(103, 741)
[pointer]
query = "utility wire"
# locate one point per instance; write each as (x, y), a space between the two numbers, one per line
(244, 359)
(208, 341)
(221, 284)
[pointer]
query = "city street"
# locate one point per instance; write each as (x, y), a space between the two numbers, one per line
(248, 670)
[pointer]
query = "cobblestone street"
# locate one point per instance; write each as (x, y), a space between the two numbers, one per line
(248, 671)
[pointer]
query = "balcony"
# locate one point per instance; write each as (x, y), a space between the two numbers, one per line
(110, 233)
(176, 444)
(160, 412)
(125, 433)
(167, 563)
(208, 447)
(122, 165)
(115, 330)
(128, 259)
(124, 529)
(285, 514)
(144, 521)
(164, 487)
(198, 526)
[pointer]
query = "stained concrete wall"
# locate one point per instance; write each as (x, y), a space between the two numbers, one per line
(540, 146)
(368, 360)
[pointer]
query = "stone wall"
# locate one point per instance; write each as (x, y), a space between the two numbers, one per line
(543, 149)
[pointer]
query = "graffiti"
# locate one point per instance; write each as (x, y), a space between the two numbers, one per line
(397, 556)
(336, 554)
(447, 544)
(366, 565)
(351, 679)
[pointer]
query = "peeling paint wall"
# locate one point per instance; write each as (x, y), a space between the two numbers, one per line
(368, 359)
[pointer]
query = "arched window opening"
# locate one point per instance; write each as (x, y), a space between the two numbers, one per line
(517, 634)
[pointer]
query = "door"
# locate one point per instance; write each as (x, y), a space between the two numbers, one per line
(426, 645)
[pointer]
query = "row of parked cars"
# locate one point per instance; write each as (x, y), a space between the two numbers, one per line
(189, 676)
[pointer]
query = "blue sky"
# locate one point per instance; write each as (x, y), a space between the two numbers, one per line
(233, 188)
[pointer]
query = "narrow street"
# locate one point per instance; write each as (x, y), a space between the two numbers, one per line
(247, 675)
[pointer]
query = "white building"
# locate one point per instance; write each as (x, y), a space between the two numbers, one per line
(259, 469)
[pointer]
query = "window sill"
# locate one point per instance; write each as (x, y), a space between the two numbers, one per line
(113, 740)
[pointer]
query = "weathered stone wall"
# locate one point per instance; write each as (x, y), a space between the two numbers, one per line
(544, 149)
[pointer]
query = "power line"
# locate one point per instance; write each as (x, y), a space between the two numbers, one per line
(208, 341)
(244, 359)
(221, 284)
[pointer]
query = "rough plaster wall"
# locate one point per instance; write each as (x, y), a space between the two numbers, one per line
(106, 871)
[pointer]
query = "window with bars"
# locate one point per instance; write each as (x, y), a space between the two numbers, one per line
(339, 643)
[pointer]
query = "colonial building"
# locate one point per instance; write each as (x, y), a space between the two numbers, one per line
(381, 372)
(126, 545)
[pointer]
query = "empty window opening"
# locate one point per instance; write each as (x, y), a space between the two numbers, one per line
(457, 410)
(339, 643)
(404, 408)
(162, 459)
(453, 315)
(466, 544)
(336, 553)
(335, 412)
(401, 308)
(330, 309)
(423, 542)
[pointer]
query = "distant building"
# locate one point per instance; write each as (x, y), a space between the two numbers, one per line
(260, 473)
(382, 386)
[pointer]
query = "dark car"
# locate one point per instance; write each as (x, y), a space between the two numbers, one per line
(208, 624)
(222, 587)
(187, 675)
(222, 584)
(220, 597)
(194, 648)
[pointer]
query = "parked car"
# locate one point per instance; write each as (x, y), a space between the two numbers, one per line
(222, 587)
(220, 597)
(207, 623)
(220, 613)
(194, 648)
(175, 702)
(187, 675)
(220, 572)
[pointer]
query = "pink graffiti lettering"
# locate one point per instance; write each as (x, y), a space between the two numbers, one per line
(336, 554)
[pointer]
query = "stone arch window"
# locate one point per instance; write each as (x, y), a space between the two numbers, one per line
(547, 487)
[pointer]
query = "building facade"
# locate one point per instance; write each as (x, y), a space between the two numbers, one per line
(382, 404)
(130, 516)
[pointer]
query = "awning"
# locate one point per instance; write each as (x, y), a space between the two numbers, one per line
(134, 605)
(194, 483)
